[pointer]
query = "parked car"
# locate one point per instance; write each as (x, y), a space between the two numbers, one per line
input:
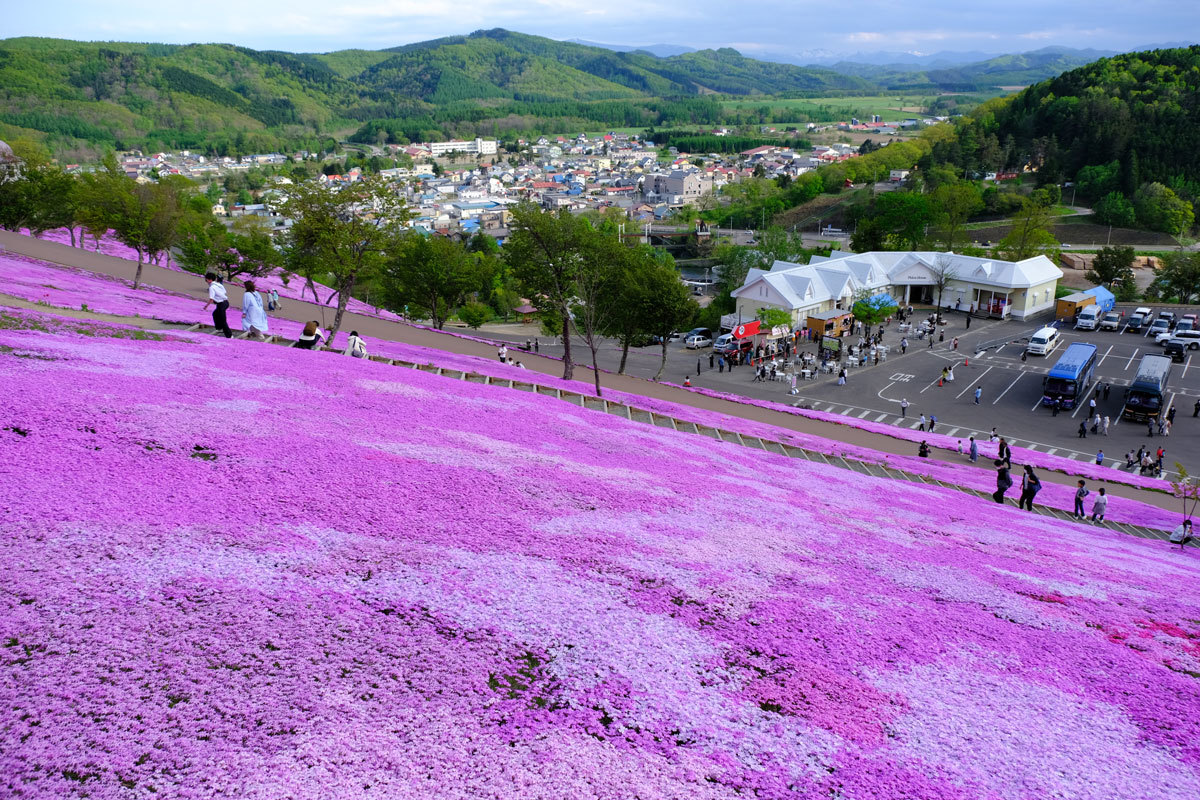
(696, 341)
(1159, 325)
(1190, 338)
(1043, 342)
(1192, 318)
(677, 336)
(698, 332)
(1140, 318)
(1111, 322)
(1184, 325)
(1169, 316)
(1173, 349)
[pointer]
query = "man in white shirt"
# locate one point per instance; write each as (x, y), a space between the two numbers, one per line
(1183, 534)
(218, 295)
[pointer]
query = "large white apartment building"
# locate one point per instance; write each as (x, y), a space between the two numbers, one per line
(475, 147)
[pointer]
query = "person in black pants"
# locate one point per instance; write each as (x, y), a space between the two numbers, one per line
(218, 296)
(1030, 486)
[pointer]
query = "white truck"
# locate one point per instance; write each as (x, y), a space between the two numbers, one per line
(1088, 318)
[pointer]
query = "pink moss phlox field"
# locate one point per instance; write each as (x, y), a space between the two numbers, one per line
(233, 570)
(293, 289)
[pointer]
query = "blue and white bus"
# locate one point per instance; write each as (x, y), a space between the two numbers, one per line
(1069, 379)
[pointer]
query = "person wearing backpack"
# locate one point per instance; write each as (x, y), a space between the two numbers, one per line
(1080, 493)
(1030, 486)
(355, 348)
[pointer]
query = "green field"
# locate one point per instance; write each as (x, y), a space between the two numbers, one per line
(845, 106)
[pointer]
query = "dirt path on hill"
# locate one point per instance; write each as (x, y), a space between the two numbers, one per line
(372, 327)
(75, 313)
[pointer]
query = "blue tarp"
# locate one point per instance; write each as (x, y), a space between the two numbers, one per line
(1104, 298)
(881, 300)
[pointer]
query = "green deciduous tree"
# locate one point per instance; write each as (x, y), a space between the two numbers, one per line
(1179, 277)
(1029, 235)
(475, 313)
(1160, 209)
(1115, 209)
(344, 234)
(871, 308)
(432, 275)
(1112, 267)
(954, 204)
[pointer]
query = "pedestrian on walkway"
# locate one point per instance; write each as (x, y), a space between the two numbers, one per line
(1162, 426)
(218, 298)
(954, 344)
(932, 422)
(950, 374)
(1182, 534)
(1099, 506)
(254, 316)
(535, 344)
(697, 366)
(1096, 423)
(1099, 458)
(1106, 422)
(502, 353)
(1150, 428)
(1080, 493)
(1171, 414)
(1004, 452)
(921, 427)
(944, 373)
(1196, 410)
(711, 357)
(1082, 430)
(968, 320)
(904, 347)
(274, 304)
(1092, 405)
(931, 340)
(1030, 486)
(974, 450)
(720, 365)
(1003, 481)
(904, 408)
(1107, 389)
(978, 394)
(1167, 427)
(1056, 406)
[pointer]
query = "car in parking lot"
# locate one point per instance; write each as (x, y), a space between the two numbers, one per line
(1110, 322)
(1140, 318)
(1173, 349)
(696, 341)
(1159, 325)
(1189, 338)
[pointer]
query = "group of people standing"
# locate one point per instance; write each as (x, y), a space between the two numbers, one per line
(255, 322)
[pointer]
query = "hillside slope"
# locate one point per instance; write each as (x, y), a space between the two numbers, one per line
(278, 589)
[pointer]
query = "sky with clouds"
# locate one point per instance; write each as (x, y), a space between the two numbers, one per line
(755, 27)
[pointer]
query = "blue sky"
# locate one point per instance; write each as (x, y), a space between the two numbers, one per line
(755, 27)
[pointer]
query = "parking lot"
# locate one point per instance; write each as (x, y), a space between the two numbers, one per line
(989, 356)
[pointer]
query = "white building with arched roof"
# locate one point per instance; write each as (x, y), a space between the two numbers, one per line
(998, 288)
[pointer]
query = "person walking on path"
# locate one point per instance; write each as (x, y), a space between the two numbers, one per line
(1004, 452)
(1030, 486)
(1167, 427)
(931, 340)
(502, 354)
(954, 344)
(355, 347)
(921, 427)
(697, 366)
(1150, 428)
(842, 377)
(1171, 414)
(904, 408)
(535, 344)
(932, 422)
(254, 317)
(274, 304)
(1099, 458)
(1182, 534)
(1196, 410)
(711, 357)
(1082, 430)
(721, 365)
(1080, 493)
(1003, 481)
(1056, 407)
(1100, 506)
(219, 299)
(968, 320)
(1106, 423)
(974, 450)
(950, 374)
(904, 347)
(1107, 389)
(1092, 405)
(978, 394)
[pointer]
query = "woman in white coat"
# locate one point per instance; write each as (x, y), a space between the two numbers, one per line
(254, 316)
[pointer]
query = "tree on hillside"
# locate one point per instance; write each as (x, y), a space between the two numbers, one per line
(1179, 277)
(1115, 209)
(666, 305)
(869, 236)
(1160, 209)
(344, 234)
(1112, 267)
(954, 204)
(543, 251)
(630, 283)
(1029, 235)
(903, 215)
(432, 275)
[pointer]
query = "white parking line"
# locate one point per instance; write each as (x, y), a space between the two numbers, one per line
(882, 417)
(1187, 364)
(1106, 352)
(864, 413)
(952, 431)
(1014, 383)
(1129, 363)
(1052, 451)
(1081, 401)
(972, 384)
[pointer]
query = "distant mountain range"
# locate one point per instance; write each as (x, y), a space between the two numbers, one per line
(227, 98)
(660, 50)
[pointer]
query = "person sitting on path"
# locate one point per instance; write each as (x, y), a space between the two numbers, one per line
(219, 299)
(254, 317)
(310, 336)
(355, 347)
(1182, 534)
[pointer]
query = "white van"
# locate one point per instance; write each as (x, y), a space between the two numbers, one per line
(1088, 318)
(1043, 342)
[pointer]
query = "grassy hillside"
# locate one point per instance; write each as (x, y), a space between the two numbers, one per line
(83, 98)
(1019, 69)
